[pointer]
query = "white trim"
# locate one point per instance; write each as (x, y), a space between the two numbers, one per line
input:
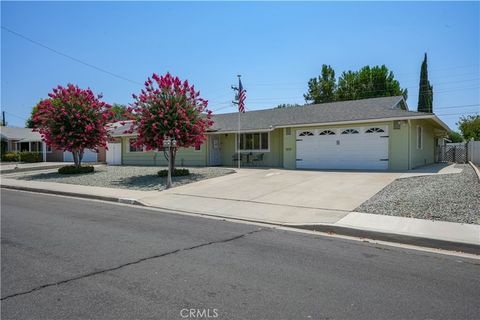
(253, 150)
(322, 124)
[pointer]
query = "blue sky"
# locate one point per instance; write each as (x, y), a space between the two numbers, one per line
(276, 46)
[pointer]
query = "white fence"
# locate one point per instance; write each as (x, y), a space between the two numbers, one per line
(474, 151)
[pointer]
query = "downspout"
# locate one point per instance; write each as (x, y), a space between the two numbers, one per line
(409, 145)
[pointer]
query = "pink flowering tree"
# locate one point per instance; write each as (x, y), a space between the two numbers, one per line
(169, 108)
(72, 119)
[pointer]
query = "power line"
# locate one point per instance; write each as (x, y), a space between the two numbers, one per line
(460, 106)
(70, 57)
(14, 115)
(456, 114)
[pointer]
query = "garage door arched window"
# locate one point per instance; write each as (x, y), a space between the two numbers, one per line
(374, 130)
(350, 131)
(327, 133)
(305, 133)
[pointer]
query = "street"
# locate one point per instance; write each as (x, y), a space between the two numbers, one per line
(66, 258)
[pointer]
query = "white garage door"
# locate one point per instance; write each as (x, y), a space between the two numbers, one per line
(344, 148)
(88, 156)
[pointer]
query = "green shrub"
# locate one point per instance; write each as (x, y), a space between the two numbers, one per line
(10, 156)
(29, 156)
(175, 173)
(75, 170)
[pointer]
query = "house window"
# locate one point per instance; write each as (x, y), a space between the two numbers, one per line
(305, 133)
(419, 137)
(132, 147)
(327, 133)
(23, 146)
(374, 130)
(350, 131)
(257, 141)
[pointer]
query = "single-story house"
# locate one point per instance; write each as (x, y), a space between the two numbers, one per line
(372, 134)
(24, 139)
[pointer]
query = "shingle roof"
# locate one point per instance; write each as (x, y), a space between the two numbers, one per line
(354, 110)
(24, 134)
(344, 111)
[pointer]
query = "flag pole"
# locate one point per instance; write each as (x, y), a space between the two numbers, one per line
(238, 135)
(238, 142)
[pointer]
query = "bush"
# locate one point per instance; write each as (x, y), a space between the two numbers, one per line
(29, 156)
(10, 156)
(175, 173)
(75, 170)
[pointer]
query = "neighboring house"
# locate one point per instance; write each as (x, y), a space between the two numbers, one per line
(372, 134)
(24, 139)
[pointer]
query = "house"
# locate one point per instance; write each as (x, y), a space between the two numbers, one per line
(25, 139)
(371, 134)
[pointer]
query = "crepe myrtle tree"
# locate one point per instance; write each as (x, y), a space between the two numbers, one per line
(168, 108)
(72, 119)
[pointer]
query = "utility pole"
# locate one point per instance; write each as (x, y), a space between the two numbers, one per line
(4, 122)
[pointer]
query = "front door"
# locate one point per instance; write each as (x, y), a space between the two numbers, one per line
(214, 150)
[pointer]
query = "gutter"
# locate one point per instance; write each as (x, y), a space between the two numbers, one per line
(430, 116)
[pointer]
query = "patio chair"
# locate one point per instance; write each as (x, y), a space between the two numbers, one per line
(235, 159)
(258, 159)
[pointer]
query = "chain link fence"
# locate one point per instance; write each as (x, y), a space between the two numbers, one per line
(453, 153)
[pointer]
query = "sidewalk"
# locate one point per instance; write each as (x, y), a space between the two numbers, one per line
(436, 234)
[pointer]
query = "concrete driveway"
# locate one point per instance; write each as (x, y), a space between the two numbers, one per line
(283, 196)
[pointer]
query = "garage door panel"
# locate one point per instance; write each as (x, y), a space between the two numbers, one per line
(344, 151)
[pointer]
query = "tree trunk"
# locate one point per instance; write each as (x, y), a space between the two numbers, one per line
(75, 157)
(80, 157)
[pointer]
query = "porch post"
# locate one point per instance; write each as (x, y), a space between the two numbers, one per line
(29, 146)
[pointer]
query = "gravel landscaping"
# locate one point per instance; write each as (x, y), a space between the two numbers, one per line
(126, 177)
(446, 197)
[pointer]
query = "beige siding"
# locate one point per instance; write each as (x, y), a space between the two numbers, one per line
(188, 157)
(271, 158)
(425, 155)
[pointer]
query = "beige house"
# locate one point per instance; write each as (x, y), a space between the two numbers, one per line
(369, 134)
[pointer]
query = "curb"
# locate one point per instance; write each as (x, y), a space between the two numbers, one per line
(76, 195)
(326, 228)
(7, 171)
(395, 237)
(475, 168)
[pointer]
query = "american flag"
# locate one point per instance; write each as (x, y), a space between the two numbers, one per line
(242, 94)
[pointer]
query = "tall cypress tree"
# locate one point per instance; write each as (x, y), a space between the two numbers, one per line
(425, 92)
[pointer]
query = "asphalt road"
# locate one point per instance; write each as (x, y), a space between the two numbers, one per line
(66, 258)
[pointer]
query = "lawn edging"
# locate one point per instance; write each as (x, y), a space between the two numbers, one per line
(475, 168)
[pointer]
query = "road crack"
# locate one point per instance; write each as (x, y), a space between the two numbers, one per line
(91, 274)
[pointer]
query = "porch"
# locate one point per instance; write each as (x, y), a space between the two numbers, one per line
(252, 149)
